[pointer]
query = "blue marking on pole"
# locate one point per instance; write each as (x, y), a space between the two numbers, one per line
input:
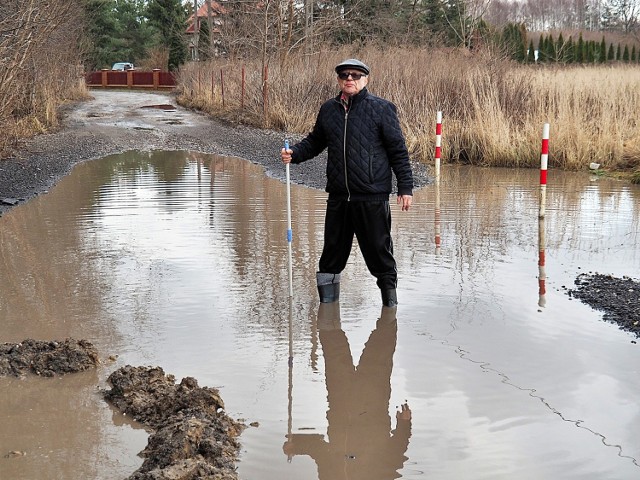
(286, 144)
(289, 236)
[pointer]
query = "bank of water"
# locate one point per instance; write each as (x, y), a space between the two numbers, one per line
(179, 259)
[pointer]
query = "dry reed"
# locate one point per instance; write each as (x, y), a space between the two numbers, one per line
(493, 109)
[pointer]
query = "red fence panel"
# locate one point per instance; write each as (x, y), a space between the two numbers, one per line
(93, 78)
(142, 79)
(117, 79)
(131, 79)
(167, 79)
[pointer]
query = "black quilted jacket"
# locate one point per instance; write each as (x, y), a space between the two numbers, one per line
(363, 146)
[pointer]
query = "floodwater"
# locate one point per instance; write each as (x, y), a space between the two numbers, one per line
(180, 259)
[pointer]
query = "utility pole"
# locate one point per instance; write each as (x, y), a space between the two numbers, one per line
(210, 24)
(308, 24)
(196, 32)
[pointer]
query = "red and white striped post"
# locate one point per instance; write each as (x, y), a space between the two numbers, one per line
(436, 220)
(542, 275)
(544, 159)
(438, 143)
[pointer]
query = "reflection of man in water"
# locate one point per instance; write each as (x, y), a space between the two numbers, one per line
(361, 443)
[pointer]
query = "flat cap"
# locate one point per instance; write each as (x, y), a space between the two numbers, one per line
(354, 64)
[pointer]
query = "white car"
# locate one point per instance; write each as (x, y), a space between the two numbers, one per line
(122, 66)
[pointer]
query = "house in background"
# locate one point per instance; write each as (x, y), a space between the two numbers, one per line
(210, 13)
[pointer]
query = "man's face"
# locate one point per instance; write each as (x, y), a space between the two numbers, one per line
(351, 81)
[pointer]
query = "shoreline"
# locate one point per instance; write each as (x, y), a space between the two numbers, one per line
(116, 121)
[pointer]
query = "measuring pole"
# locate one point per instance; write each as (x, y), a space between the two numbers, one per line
(438, 143)
(289, 231)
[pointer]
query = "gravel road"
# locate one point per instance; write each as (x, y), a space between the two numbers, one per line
(116, 121)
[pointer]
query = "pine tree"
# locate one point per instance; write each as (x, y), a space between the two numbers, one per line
(625, 55)
(169, 17)
(591, 47)
(531, 54)
(570, 51)
(550, 49)
(513, 39)
(560, 48)
(580, 50)
(541, 51)
(602, 57)
(611, 56)
(135, 34)
(521, 42)
(101, 30)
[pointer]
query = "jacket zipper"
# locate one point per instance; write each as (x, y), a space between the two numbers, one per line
(344, 155)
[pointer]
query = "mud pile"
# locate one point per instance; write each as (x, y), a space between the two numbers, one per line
(618, 298)
(192, 437)
(46, 358)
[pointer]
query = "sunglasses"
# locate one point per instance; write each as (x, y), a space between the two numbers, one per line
(355, 76)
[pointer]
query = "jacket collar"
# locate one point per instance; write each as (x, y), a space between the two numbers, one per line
(355, 98)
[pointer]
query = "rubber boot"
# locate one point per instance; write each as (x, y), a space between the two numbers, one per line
(328, 287)
(329, 293)
(389, 298)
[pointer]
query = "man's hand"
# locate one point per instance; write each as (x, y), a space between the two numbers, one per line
(405, 201)
(286, 155)
(404, 413)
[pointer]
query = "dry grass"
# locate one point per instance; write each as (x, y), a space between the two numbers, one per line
(493, 110)
(40, 113)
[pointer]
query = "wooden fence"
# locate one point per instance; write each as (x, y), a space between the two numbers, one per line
(155, 79)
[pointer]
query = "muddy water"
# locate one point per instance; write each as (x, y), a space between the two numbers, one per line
(180, 260)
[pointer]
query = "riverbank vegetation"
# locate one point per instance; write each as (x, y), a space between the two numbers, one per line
(493, 108)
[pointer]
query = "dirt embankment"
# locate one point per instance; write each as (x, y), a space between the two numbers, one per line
(192, 437)
(46, 359)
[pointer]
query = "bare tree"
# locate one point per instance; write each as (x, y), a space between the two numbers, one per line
(627, 12)
(40, 58)
(464, 16)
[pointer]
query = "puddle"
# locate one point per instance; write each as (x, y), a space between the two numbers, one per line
(180, 260)
(163, 106)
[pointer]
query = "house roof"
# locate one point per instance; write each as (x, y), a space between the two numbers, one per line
(203, 12)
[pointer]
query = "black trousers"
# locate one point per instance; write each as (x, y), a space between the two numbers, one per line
(370, 222)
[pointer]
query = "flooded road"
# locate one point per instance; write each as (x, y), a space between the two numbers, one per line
(180, 260)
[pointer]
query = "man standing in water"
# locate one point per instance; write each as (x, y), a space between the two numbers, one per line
(364, 143)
